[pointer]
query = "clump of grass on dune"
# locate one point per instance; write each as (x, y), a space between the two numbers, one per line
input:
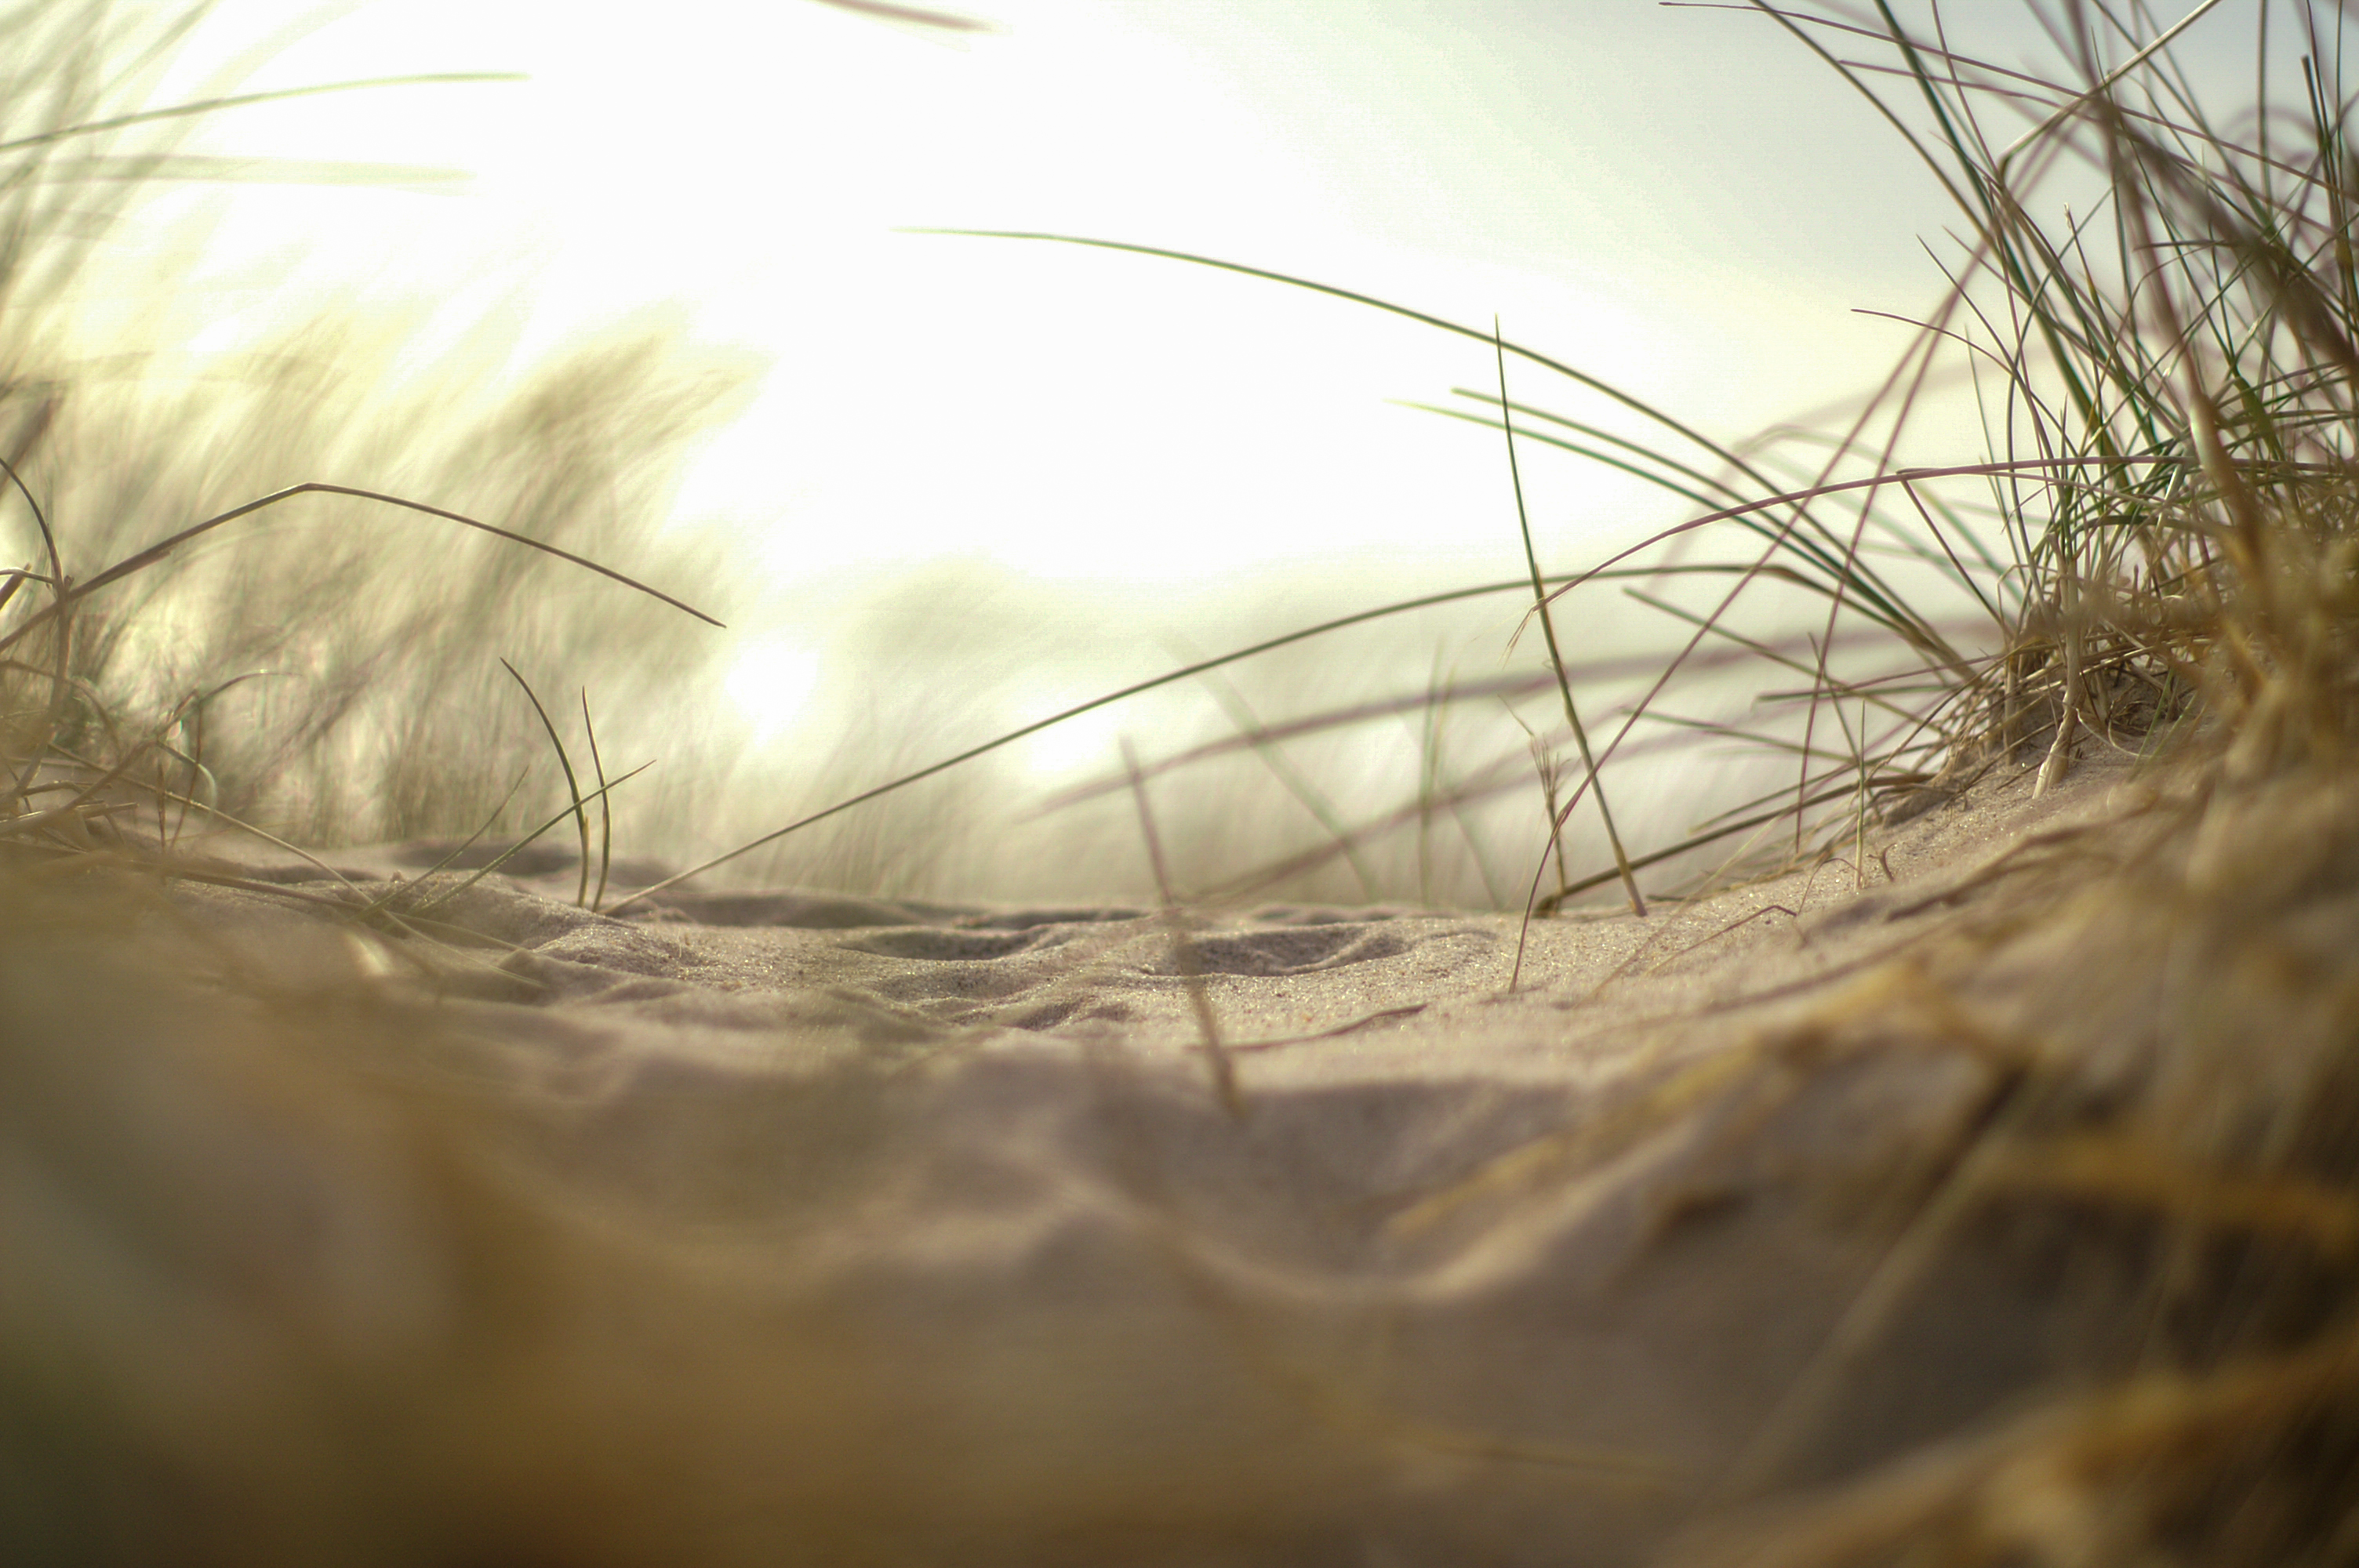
(324, 665)
(2171, 377)
(321, 665)
(2167, 379)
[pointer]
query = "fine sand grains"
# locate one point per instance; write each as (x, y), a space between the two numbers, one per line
(805, 1228)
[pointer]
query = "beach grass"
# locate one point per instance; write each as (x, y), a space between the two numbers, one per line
(1893, 632)
(272, 587)
(2152, 557)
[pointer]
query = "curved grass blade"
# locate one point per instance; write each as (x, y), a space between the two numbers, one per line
(510, 852)
(1555, 658)
(605, 807)
(573, 785)
(213, 105)
(74, 593)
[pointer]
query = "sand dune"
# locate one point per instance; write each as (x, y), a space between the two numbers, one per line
(912, 1232)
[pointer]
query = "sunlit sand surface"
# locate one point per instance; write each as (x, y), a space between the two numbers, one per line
(800, 1227)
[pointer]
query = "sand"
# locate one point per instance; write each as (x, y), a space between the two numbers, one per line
(967, 1245)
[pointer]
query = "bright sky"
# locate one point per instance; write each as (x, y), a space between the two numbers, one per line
(1683, 201)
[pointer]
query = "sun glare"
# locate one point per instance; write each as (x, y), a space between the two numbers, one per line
(770, 684)
(1070, 414)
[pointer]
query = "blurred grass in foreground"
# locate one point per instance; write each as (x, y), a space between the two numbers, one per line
(326, 668)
